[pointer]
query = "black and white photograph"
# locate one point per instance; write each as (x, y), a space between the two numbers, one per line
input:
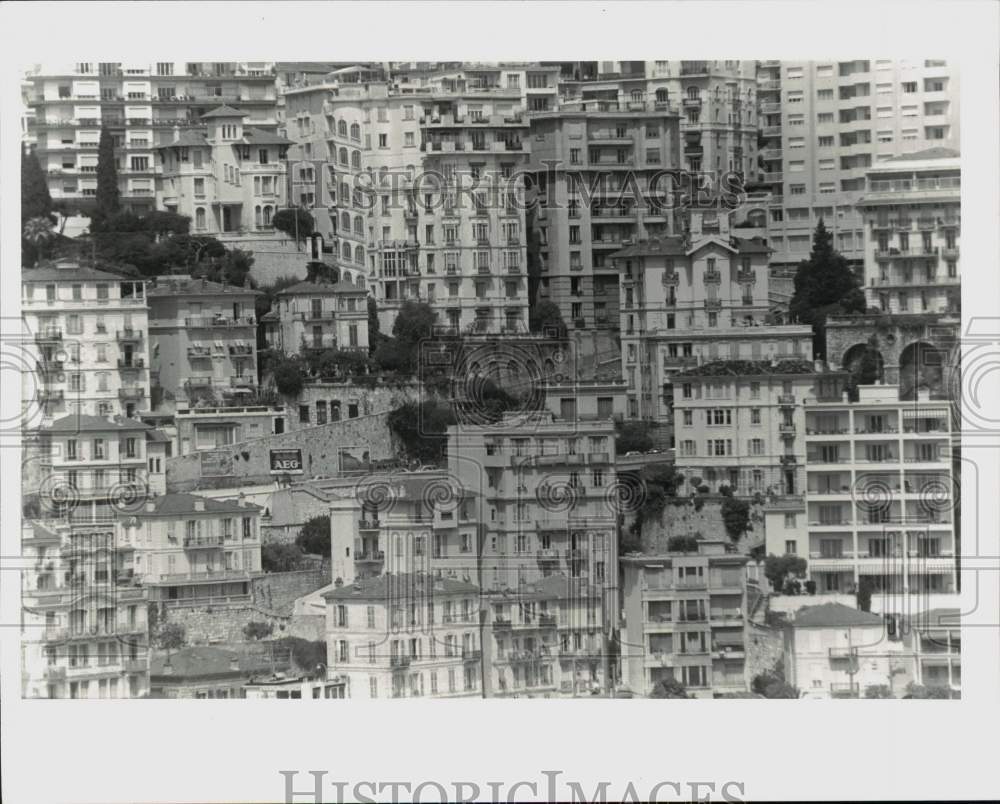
(514, 378)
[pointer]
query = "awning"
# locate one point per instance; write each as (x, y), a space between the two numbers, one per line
(830, 566)
(924, 413)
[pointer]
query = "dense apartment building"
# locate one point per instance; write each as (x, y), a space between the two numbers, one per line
(741, 423)
(548, 639)
(140, 104)
(87, 468)
(717, 100)
(598, 168)
(320, 315)
(836, 651)
(203, 427)
(226, 177)
(407, 635)
(828, 124)
(911, 212)
(85, 630)
(880, 493)
(547, 492)
(684, 616)
(423, 190)
(190, 550)
(204, 339)
(422, 522)
(693, 299)
(86, 331)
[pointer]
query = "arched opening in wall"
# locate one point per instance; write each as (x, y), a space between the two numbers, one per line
(866, 365)
(921, 368)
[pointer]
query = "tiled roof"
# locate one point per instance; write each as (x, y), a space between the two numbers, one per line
(928, 153)
(157, 437)
(185, 138)
(399, 586)
(679, 246)
(71, 271)
(321, 289)
(224, 111)
(254, 136)
(191, 286)
(938, 618)
(80, 423)
(554, 587)
(833, 615)
(180, 504)
(211, 662)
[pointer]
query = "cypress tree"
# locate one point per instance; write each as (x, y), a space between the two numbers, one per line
(107, 176)
(35, 199)
(824, 285)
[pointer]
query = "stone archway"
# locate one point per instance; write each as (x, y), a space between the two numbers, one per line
(854, 362)
(921, 368)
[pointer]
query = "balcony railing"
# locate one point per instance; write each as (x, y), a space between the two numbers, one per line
(713, 304)
(135, 363)
(128, 335)
(399, 661)
(205, 322)
(133, 392)
(199, 542)
(370, 557)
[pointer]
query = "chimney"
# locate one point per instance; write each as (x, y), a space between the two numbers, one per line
(234, 663)
(150, 506)
(199, 505)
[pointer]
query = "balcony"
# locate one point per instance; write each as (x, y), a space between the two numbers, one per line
(786, 400)
(671, 280)
(471, 654)
(843, 653)
(692, 583)
(55, 674)
(679, 361)
(370, 557)
(575, 554)
(547, 620)
(242, 381)
(134, 665)
(49, 335)
(50, 396)
(207, 322)
(713, 305)
(789, 460)
(844, 689)
(787, 428)
(134, 393)
(399, 662)
(771, 177)
(128, 335)
(500, 624)
(202, 542)
(713, 277)
(746, 277)
(950, 252)
(694, 68)
(135, 364)
(547, 554)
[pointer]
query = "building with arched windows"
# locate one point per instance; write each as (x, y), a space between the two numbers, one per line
(227, 177)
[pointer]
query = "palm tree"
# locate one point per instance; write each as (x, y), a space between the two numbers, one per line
(38, 232)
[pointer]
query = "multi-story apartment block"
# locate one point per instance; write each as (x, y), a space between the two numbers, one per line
(87, 469)
(547, 639)
(684, 616)
(693, 299)
(548, 493)
(424, 190)
(717, 98)
(191, 551)
(229, 177)
(89, 339)
(835, 651)
(834, 122)
(405, 636)
(741, 424)
(320, 315)
(880, 493)
(911, 209)
(85, 622)
(937, 645)
(204, 338)
(205, 427)
(418, 523)
(599, 168)
(140, 104)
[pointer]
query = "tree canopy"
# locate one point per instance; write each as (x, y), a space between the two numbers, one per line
(108, 196)
(546, 318)
(284, 220)
(36, 202)
(669, 688)
(777, 568)
(314, 537)
(825, 285)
